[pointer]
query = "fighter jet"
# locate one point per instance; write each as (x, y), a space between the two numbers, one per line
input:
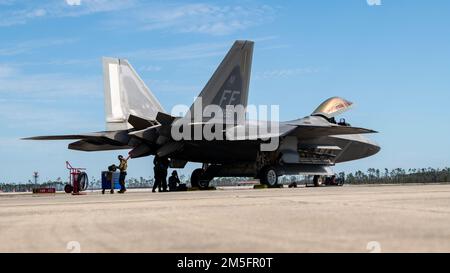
(135, 120)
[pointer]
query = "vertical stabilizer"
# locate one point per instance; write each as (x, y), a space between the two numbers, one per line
(230, 82)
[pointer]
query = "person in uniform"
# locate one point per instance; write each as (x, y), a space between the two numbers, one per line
(123, 165)
(164, 166)
(161, 164)
(157, 173)
(174, 181)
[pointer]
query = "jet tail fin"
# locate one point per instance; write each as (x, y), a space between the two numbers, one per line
(230, 82)
(126, 94)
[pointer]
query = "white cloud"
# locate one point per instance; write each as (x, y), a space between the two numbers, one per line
(15, 83)
(6, 71)
(151, 68)
(374, 2)
(88, 7)
(33, 115)
(206, 18)
(35, 101)
(16, 17)
(38, 13)
(184, 52)
(73, 2)
(189, 51)
(6, 2)
(29, 46)
(23, 12)
(284, 73)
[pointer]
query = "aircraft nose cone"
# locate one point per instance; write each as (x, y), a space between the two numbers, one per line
(373, 149)
(358, 148)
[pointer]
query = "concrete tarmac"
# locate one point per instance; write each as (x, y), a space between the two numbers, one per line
(413, 218)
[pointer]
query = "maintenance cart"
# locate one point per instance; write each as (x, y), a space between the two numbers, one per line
(78, 180)
(110, 181)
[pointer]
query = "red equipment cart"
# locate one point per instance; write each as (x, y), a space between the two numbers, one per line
(78, 180)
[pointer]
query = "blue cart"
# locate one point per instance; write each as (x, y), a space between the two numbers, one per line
(110, 181)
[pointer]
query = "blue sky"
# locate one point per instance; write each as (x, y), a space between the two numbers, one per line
(392, 60)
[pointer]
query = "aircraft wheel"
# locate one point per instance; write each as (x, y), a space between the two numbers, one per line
(203, 184)
(196, 177)
(269, 176)
(68, 188)
(317, 180)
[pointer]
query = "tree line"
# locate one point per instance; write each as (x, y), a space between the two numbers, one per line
(371, 176)
(397, 175)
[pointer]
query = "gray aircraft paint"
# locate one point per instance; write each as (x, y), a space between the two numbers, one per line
(126, 94)
(136, 120)
(229, 84)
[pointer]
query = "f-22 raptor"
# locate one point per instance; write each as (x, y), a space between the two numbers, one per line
(136, 120)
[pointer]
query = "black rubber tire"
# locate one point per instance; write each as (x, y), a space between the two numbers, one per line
(269, 176)
(203, 184)
(195, 177)
(68, 188)
(316, 181)
(83, 181)
(200, 179)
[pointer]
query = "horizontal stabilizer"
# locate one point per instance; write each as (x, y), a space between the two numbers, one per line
(139, 123)
(140, 151)
(165, 119)
(150, 133)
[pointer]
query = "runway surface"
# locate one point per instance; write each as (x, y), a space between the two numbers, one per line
(414, 218)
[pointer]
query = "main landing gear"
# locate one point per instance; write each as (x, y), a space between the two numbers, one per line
(200, 178)
(269, 176)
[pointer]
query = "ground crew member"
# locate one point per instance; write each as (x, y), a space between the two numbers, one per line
(174, 181)
(157, 172)
(123, 165)
(165, 165)
(160, 170)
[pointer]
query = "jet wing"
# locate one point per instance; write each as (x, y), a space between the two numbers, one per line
(98, 141)
(93, 145)
(65, 137)
(298, 130)
(311, 131)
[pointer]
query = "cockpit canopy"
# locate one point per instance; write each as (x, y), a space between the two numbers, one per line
(332, 107)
